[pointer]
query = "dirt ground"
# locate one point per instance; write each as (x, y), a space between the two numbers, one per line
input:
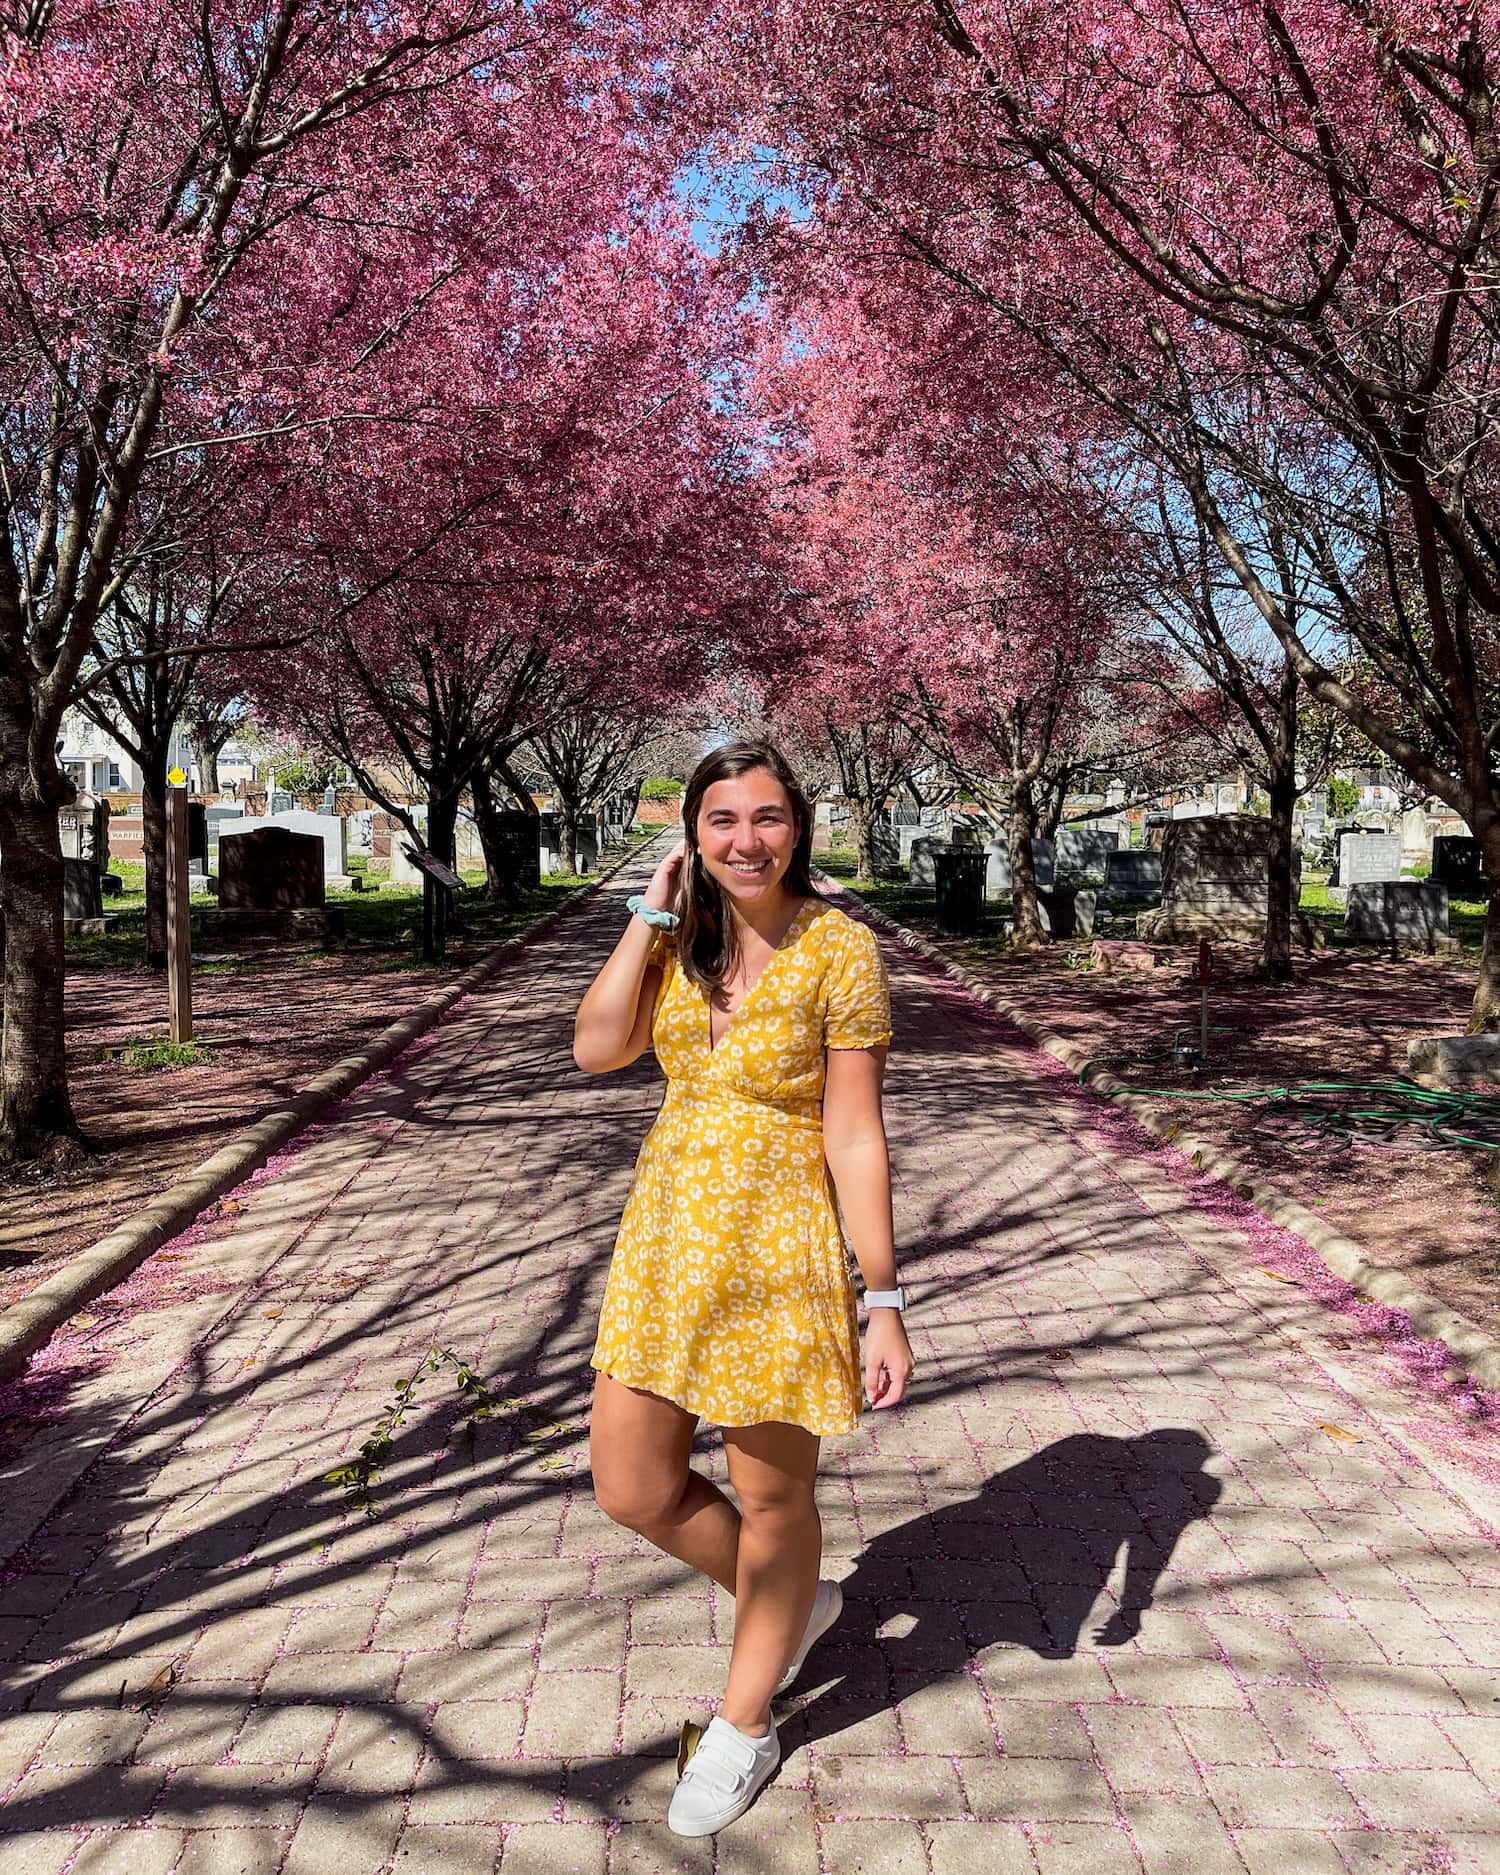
(1348, 1017)
(272, 1021)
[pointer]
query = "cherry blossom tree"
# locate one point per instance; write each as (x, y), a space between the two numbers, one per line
(1171, 209)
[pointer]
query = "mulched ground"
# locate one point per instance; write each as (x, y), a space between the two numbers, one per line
(275, 1020)
(1349, 1016)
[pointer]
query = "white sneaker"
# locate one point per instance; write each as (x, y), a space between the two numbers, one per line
(828, 1605)
(723, 1778)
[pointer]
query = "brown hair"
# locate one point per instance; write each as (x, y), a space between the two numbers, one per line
(708, 942)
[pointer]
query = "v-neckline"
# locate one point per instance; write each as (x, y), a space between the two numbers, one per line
(752, 986)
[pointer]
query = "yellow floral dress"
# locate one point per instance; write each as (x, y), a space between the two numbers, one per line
(729, 1291)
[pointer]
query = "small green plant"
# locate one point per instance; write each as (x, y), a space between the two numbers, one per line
(1343, 797)
(660, 788)
(165, 1055)
(359, 1477)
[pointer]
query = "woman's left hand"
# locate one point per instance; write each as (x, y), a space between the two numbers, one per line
(888, 1358)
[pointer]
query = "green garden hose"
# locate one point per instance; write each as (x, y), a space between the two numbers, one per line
(1385, 1115)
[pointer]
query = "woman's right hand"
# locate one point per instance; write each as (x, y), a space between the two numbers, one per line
(661, 894)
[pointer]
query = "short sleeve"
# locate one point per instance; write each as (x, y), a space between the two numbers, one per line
(859, 994)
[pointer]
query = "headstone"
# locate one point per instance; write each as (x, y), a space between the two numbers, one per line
(922, 873)
(1409, 914)
(965, 833)
(331, 832)
(221, 820)
(1365, 859)
(280, 802)
(330, 800)
(197, 834)
(270, 868)
(83, 830)
(1131, 873)
(586, 850)
(468, 848)
(549, 837)
(906, 839)
(361, 826)
(997, 880)
(1215, 874)
(1416, 839)
(1458, 863)
(1454, 1060)
(887, 848)
(82, 898)
(520, 848)
(1084, 850)
(1067, 912)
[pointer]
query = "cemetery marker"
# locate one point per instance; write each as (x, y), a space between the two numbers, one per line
(179, 925)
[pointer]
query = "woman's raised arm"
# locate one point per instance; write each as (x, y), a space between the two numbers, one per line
(613, 1024)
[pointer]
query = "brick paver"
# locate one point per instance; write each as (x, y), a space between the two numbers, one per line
(1116, 1600)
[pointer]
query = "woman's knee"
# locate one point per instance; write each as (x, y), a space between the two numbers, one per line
(636, 1496)
(785, 1502)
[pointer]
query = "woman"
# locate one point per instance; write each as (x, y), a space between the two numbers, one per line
(729, 1296)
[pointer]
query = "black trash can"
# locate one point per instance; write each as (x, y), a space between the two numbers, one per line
(958, 872)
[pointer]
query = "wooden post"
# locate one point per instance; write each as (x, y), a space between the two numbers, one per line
(179, 929)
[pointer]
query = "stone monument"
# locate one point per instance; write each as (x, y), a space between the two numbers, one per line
(1364, 858)
(1084, 850)
(1401, 914)
(1131, 872)
(1215, 883)
(332, 834)
(1458, 863)
(271, 885)
(997, 879)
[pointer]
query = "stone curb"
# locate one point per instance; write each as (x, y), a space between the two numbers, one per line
(1478, 1351)
(30, 1323)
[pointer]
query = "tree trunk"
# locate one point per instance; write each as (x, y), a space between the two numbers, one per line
(1282, 790)
(567, 834)
(1026, 931)
(154, 853)
(1484, 1016)
(36, 1112)
(862, 824)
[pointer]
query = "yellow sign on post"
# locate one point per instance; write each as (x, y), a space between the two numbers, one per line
(176, 777)
(179, 928)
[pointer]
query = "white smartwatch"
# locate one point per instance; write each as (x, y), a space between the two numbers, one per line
(885, 1299)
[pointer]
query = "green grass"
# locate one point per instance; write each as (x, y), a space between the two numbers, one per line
(169, 1055)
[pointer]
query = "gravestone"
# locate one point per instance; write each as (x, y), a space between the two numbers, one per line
(1454, 1060)
(271, 868)
(922, 868)
(520, 848)
(1458, 863)
(330, 800)
(83, 830)
(197, 835)
(219, 821)
(965, 833)
(329, 830)
(1084, 850)
(1067, 912)
(468, 848)
(82, 900)
(1131, 873)
(1406, 914)
(906, 839)
(1365, 858)
(997, 879)
(1416, 839)
(886, 847)
(1215, 874)
(271, 885)
(280, 802)
(586, 850)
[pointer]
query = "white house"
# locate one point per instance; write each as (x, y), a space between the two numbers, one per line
(99, 764)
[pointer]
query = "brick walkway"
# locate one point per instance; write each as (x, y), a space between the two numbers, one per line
(1116, 1601)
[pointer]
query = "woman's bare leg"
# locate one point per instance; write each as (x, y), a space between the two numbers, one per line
(773, 1469)
(639, 1447)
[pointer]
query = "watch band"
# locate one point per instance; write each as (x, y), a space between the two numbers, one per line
(886, 1299)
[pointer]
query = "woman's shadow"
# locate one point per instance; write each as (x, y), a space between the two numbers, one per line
(1021, 1563)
